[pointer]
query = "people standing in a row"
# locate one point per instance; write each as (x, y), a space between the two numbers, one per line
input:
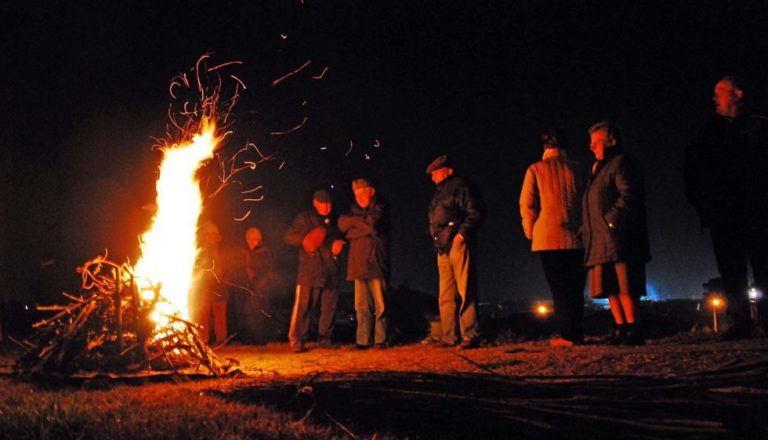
(615, 232)
(726, 180)
(455, 214)
(366, 227)
(314, 232)
(550, 207)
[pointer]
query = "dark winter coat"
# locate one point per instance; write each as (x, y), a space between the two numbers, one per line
(319, 268)
(257, 267)
(367, 231)
(726, 171)
(614, 226)
(455, 208)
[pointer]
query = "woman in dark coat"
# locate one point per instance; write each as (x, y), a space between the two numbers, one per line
(615, 232)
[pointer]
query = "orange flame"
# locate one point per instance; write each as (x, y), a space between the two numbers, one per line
(169, 247)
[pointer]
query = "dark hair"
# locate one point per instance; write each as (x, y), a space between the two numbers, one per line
(554, 138)
(738, 82)
(610, 128)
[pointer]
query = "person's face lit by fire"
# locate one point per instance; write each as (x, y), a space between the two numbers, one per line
(441, 174)
(364, 195)
(727, 99)
(599, 141)
(322, 208)
(211, 236)
(252, 237)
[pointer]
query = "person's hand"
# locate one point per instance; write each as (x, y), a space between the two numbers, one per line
(458, 239)
(314, 239)
(337, 246)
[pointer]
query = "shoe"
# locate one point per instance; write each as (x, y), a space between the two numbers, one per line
(381, 346)
(560, 342)
(443, 344)
(633, 336)
(362, 347)
(468, 344)
(297, 348)
(616, 337)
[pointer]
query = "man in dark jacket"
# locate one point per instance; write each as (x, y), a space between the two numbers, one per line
(314, 233)
(368, 263)
(726, 180)
(455, 214)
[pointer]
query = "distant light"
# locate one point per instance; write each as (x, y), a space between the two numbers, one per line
(754, 294)
(542, 310)
(716, 302)
(26, 307)
(651, 294)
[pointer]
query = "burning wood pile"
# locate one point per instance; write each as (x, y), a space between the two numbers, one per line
(114, 328)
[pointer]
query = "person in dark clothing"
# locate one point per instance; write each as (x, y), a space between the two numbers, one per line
(726, 180)
(317, 238)
(550, 207)
(366, 228)
(255, 274)
(455, 214)
(615, 232)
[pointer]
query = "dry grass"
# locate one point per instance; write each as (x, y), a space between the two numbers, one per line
(156, 411)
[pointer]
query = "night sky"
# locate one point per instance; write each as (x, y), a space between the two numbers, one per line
(86, 87)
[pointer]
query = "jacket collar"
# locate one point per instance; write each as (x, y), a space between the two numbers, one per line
(549, 153)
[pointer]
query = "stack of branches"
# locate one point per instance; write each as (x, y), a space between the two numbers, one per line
(111, 327)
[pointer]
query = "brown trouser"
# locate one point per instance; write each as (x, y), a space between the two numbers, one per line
(301, 317)
(458, 293)
(371, 311)
(202, 315)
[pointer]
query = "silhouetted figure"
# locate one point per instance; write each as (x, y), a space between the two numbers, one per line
(208, 299)
(550, 206)
(615, 232)
(365, 226)
(726, 180)
(256, 276)
(314, 233)
(455, 214)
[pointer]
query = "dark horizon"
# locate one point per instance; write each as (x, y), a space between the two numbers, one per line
(87, 87)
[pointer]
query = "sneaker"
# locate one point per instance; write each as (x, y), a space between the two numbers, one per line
(381, 346)
(560, 342)
(362, 347)
(443, 344)
(468, 344)
(297, 348)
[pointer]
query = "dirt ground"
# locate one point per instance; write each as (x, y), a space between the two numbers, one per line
(669, 357)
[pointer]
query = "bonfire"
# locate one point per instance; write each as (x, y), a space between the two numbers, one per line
(134, 319)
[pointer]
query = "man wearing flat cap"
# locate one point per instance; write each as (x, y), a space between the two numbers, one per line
(366, 228)
(455, 214)
(314, 233)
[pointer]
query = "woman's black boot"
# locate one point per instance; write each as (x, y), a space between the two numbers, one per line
(617, 335)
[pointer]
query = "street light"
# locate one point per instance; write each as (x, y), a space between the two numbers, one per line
(715, 302)
(542, 310)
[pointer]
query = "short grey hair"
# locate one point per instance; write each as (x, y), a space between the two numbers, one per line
(609, 127)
